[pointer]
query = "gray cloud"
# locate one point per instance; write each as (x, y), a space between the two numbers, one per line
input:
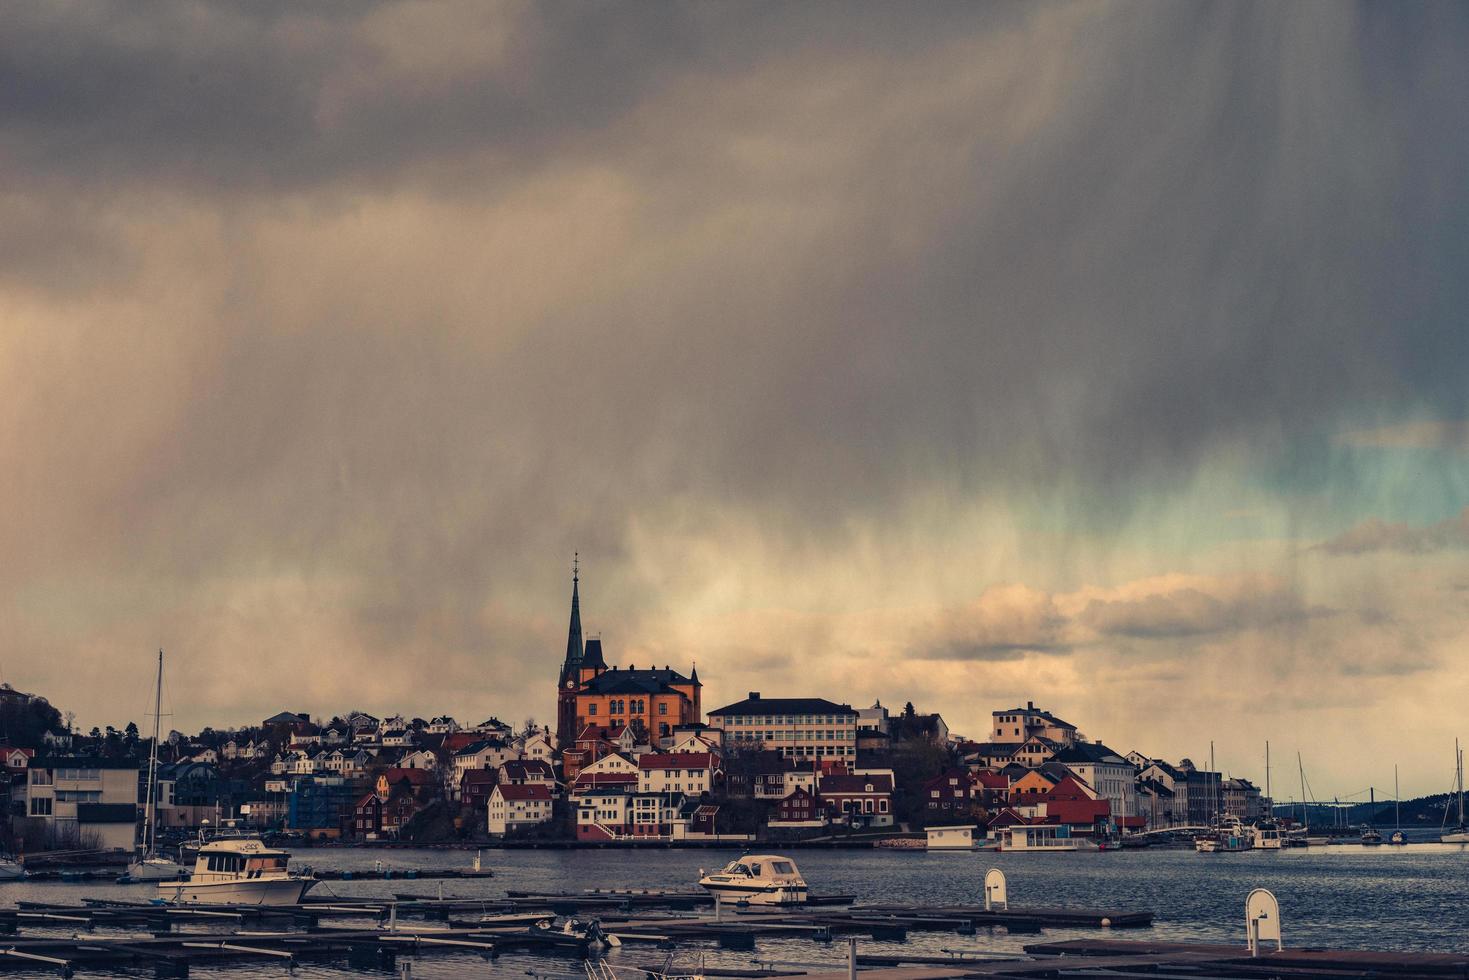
(1190, 612)
(1375, 534)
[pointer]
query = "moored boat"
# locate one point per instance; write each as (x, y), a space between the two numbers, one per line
(239, 872)
(1459, 834)
(1370, 836)
(150, 865)
(758, 879)
(11, 870)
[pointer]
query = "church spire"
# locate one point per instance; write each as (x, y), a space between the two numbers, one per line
(573, 634)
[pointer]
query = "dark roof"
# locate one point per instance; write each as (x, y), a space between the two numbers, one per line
(592, 654)
(652, 680)
(1087, 752)
(286, 718)
(1036, 713)
(522, 768)
(855, 784)
(757, 705)
(486, 776)
(107, 812)
(530, 791)
(81, 762)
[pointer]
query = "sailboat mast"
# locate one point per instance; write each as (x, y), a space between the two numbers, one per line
(153, 762)
(1397, 800)
(1459, 756)
(1267, 778)
(1305, 811)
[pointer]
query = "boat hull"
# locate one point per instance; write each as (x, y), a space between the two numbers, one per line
(155, 869)
(1457, 837)
(757, 894)
(256, 891)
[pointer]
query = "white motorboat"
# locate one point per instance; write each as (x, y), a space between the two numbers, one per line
(239, 872)
(150, 866)
(11, 870)
(757, 879)
(1265, 836)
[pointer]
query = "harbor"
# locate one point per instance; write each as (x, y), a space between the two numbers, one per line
(911, 916)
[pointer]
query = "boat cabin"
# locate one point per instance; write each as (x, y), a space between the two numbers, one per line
(231, 860)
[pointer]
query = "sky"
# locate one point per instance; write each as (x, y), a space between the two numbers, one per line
(1107, 355)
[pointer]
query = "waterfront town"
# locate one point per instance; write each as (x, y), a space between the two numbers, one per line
(633, 756)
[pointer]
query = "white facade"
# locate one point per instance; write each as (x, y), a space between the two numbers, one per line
(78, 799)
(505, 814)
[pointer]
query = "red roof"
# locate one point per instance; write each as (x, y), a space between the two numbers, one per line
(601, 733)
(992, 780)
(1077, 812)
(530, 791)
(676, 760)
(416, 777)
(460, 740)
(487, 776)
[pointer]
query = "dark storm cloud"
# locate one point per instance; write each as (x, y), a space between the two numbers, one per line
(365, 313)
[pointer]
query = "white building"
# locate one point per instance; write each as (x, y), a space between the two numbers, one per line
(87, 802)
(515, 807)
(690, 773)
(797, 728)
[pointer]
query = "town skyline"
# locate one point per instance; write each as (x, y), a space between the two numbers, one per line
(1104, 355)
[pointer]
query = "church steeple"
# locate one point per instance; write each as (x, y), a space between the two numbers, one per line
(574, 650)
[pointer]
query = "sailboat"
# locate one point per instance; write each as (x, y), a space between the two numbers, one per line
(150, 866)
(1460, 833)
(1398, 837)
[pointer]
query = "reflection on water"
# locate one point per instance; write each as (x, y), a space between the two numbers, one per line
(1387, 898)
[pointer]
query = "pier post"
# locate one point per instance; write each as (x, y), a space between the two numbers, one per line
(393, 917)
(718, 903)
(851, 958)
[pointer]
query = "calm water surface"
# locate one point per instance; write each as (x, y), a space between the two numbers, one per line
(1414, 897)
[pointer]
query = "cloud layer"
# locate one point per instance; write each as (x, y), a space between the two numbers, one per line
(897, 347)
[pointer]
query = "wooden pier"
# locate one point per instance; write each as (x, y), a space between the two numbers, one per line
(370, 934)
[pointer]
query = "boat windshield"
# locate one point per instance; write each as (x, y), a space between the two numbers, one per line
(782, 868)
(736, 868)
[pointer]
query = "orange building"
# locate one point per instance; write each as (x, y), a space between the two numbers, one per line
(651, 701)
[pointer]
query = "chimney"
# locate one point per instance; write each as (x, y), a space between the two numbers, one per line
(754, 695)
(1030, 706)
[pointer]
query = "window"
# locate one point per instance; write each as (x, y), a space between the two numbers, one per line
(663, 707)
(591, 709)
(41, 806)
(40, 777)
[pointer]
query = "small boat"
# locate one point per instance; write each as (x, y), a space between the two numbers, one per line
(1370, 836)
(1398, 837)
(239, 872)
(586, 936)
(1228, 838)
(757, 879)
(11, 869)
